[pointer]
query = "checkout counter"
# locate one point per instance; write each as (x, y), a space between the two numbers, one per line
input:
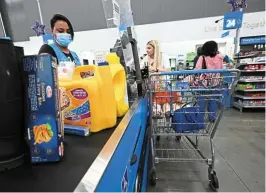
(114, 160)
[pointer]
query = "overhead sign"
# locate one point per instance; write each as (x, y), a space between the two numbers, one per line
(233, 20)
(116, 13)
(225, 34)
(252, 40)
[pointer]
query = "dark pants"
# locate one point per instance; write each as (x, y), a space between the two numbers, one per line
(211, 103)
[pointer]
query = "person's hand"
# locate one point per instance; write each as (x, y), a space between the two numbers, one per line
(163, 70)
(152, 69)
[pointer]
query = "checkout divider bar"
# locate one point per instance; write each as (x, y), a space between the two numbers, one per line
(94, 174)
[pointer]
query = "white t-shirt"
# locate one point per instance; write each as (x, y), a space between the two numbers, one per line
(165, 62)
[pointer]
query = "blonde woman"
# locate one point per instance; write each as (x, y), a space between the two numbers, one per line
(157, 62)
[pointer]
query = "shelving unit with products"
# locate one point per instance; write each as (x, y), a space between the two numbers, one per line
(250, 90)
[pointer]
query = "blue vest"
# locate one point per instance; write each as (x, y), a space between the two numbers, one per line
(61, 57)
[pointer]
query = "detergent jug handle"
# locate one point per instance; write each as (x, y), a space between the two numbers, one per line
(81, 72)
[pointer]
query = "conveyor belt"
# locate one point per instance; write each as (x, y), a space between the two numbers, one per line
(64, 176)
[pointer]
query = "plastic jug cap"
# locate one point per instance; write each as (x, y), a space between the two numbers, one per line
(103, 64)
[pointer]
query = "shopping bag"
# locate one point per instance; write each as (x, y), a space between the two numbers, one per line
(188, 119)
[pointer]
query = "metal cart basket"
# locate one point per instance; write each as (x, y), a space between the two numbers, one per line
(186, 106)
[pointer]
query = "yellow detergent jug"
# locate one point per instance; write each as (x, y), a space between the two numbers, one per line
(90, 98)
(120, 84)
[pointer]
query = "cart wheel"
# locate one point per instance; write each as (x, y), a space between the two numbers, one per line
(153, 177)
(214, 183)
(178, 138)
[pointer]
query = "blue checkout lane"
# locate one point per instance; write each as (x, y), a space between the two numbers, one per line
(120, 175)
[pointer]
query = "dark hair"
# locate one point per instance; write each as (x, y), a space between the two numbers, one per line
(199, 51)
(210, 48)
(59, 17)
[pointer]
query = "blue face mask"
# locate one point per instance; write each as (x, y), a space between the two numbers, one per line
(63, 39)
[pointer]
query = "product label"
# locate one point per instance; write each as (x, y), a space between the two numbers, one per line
(79, 113)
(79, 94)
(87, 74)
(124, 183)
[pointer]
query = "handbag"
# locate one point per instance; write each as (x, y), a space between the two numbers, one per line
(203, 63)
(188, 119)
(206, 80)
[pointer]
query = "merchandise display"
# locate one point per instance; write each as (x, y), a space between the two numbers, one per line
(250, 86)
(90, 99)
(252, 103)
(258, 67)
(44, 117)
(252, 78)
(190, 60)
(119, 84)
(250, 90)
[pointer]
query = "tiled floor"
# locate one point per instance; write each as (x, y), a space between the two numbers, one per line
(240, 159)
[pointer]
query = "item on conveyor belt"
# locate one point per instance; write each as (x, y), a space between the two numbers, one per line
(90, 98)
(120, 84)
(12, 141)
(76, 130)
(45, 132)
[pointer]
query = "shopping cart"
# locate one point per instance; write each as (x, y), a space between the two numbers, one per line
(186, 106)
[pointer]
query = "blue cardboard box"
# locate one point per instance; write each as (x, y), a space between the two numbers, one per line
(45, 129)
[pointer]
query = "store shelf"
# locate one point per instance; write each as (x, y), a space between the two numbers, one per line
(250, 74)
(250, 80)
(248, 98)
(259, 54)
(246, 106)
(250, 63)
(252, 70)
(250, 90)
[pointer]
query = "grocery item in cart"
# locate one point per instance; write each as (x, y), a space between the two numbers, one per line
(43, 119)
(165, 94)
(119, 83)
(92, 104)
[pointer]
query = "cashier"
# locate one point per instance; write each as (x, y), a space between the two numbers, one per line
(63, 35)
(155, 59)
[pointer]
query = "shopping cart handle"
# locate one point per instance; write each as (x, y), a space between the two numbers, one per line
(191, 72)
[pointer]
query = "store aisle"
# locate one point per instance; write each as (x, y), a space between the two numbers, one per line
(240, 159)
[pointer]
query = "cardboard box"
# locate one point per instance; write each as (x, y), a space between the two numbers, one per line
(43, 102)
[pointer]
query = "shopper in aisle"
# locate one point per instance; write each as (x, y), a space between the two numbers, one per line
(210, 57)
(63, 34)
(155, 59)
(158, 62)
(199, 52)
